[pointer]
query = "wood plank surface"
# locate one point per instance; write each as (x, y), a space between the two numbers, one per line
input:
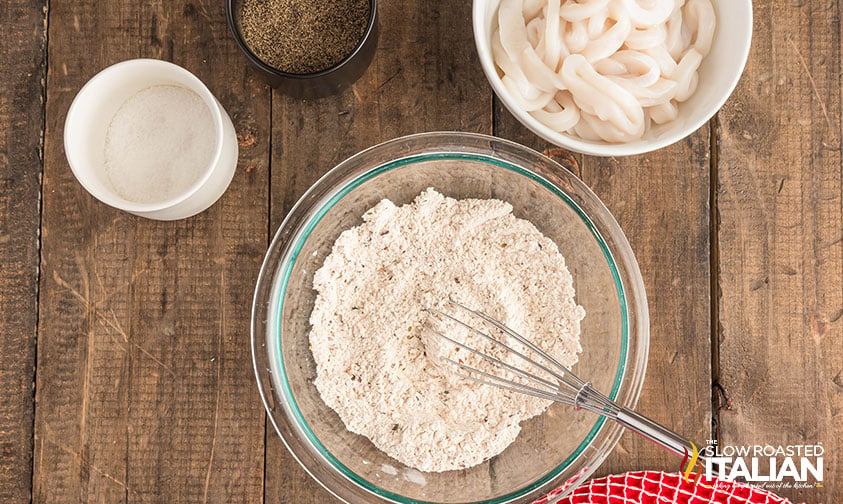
(144, 387)
(22, 52)
(425, 77)
(661, 201)
(145, 391)
(780, 254)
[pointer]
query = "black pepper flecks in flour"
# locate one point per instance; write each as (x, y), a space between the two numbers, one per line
(381, 370)
(303, 36)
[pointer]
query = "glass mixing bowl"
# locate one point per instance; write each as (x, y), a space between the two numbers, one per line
(561, 447)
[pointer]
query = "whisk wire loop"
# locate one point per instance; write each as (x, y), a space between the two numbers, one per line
(493, 360)
(524, 341)
(556, 374)
(568, 389)
(500, 382)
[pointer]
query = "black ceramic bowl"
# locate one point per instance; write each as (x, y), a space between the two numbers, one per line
(325, 82)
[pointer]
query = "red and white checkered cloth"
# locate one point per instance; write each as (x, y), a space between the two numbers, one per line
(651, 487)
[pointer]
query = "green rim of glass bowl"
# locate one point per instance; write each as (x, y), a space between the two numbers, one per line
(277, 301)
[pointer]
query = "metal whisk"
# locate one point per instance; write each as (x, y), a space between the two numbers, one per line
(563, 385)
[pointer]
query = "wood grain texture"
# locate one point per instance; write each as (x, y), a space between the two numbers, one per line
(781, 240)
(145, 391)
(425, 77)
(661, 201)
(22, 52)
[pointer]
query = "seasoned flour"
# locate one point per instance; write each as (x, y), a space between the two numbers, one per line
(375, 364)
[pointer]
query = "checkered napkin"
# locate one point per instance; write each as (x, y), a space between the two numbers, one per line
(651, 487)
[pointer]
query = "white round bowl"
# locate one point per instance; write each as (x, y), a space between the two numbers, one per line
(718, 76)
(87, 123)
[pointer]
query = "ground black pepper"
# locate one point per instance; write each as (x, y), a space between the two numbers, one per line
(302, 36)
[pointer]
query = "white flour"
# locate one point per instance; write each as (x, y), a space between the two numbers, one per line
(375, 363)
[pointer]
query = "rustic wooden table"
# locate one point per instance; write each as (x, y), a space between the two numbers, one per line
(126, 371)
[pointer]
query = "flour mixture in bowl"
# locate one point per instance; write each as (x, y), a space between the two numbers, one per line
(368, 324)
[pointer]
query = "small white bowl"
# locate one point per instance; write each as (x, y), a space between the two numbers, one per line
(88, 120)
(718, 75)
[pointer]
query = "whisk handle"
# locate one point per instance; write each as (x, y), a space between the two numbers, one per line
(655, 432)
